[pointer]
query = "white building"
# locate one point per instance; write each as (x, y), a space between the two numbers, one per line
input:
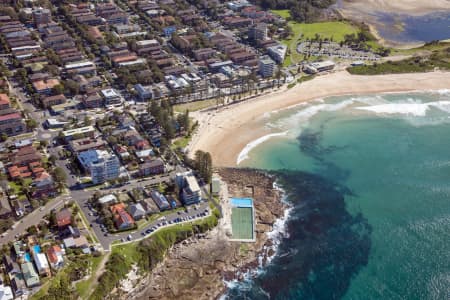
(6, 292)
(320, 66)
(107, 199)
(102, 165)
(189, 189)
(266, 66)
(111, 97)
(278, 53)
(41, 263)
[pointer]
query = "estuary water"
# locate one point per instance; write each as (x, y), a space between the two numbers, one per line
(368, 178)
(413, 29)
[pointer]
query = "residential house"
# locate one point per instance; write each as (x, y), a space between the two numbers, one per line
(137, 211)
(53, 100)
(83, 144)
(18, 285)
(40, 260)
(11, 121)
(55, 256)
(152, 167)
(64, 218)
(121, 218)
(5, 102)
(160, 200)
(44, 186)
(45, 87)
(79, 242)
(92, 101)
(6, 292)
(108, 199)
(29, 275)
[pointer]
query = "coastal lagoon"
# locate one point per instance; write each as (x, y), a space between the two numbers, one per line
(413, 29)
(368, 178)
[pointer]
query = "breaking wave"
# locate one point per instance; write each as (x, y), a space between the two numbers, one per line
(243, 155)
(413, 109)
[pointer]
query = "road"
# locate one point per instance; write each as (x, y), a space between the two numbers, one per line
(80, 195)
(33, 218)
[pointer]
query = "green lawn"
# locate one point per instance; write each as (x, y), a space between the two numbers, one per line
(84, 286)
(181, 142)
(302, 31)
(284, 13)
(194, 106)
(15, 187)
(429, 47)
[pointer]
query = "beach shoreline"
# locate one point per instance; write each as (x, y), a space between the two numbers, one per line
(224, 132)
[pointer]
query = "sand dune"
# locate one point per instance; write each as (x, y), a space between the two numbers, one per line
(225, 132)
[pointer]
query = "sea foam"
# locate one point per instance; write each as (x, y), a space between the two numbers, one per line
(243, 155)
(412, 109)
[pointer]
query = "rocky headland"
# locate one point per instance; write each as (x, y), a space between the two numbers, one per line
(197, 268)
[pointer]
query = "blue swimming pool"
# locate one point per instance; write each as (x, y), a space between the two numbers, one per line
(242, 202)
(37, 249)
(27, 257)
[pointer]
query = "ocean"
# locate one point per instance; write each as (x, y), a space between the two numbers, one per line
(368, 179)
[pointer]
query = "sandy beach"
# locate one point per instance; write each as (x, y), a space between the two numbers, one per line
(362, 8)
(226, 131)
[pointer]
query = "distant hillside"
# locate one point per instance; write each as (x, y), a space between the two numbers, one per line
(301, 10)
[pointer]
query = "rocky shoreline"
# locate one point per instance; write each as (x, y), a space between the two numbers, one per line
(197, 268)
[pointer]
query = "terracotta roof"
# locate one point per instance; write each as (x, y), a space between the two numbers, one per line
(10, 117)
(43, 85)
(4, 99)
(64, 217)
(116, 207)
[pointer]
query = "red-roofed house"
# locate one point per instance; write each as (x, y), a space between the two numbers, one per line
(5, 103)
(12, 123)
(64, 218)
(142, 145)
(55, 256)
(122, 219)
(44, 185)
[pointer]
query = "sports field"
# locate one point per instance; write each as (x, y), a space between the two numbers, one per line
(242, 223)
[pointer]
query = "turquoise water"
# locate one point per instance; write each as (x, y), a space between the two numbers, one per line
(369, 181)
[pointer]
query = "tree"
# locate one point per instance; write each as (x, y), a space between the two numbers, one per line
(203, 163)
(87, 121)
(58, 89)
(31, 124)
(43, 143)
(72, 86)
(52, 159)
(59, 174)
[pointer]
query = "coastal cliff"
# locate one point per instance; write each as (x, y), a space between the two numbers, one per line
(197, 267)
